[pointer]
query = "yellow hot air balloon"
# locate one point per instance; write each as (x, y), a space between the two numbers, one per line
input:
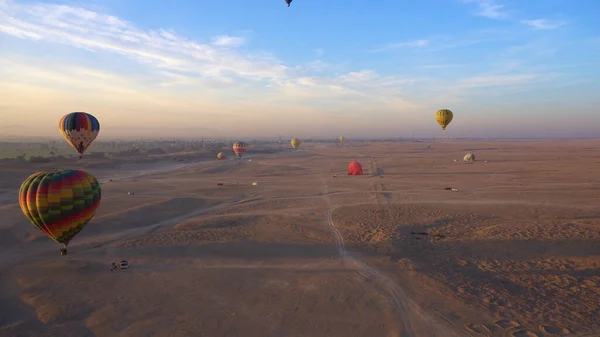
(220, 155)
(296, 143)
(342, 139)
(444, 117)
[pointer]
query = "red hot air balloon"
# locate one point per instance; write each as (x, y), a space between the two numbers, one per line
(239, 148)
(355, 169)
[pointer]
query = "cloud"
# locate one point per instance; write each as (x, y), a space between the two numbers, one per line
(316, 66)
(539, 49)
(210, 81)
(484, 86)
(27, 70)
(488, 9)
(398, 45)
(358, 76)
(442, 66)
(544, 24)
(93, 31)
(437, 43)
(228, 41)
(187, 66)
(21, 33)
(496, 81)
(356, 91)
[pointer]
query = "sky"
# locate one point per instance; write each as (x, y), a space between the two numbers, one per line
(256, 68)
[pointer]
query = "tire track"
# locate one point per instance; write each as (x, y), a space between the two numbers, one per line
(415, 322)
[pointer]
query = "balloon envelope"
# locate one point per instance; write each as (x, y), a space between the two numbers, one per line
(342, 139)
(60, 203)
(220, 155)
(79, 130)
(239, 148)
(355, 169)
(444, 117)
(296, 143)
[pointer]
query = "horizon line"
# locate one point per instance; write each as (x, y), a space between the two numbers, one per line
(29, 139)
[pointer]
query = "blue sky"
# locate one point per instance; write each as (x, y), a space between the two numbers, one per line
(319, 68)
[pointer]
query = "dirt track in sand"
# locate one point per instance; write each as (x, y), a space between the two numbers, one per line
(304, 253)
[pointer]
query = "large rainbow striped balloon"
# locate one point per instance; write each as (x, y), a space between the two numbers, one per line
(60, 203)
(79, 129)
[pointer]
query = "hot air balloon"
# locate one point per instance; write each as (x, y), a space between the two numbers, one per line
(443, 117)
(220, 156)
(296, 143)
(239, 148)
(79, 129)
(289, 2)
(342, 139)
(469, 157)
(60, 202)
(355, 169)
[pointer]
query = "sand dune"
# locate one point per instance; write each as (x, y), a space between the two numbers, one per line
(514, 252)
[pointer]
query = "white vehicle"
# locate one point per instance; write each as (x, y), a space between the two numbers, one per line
(121, 265)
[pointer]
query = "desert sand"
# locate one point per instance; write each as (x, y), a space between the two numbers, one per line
(310, 251)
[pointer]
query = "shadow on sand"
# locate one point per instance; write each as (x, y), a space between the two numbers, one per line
(18, 318)
(240, 249)
(462, 265)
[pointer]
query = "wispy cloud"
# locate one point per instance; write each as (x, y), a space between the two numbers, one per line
(489, 9)
(26, 70)
(398, 45)
(94, 31)
(442, 66)
(212, 76)
(175, 62)
(437, 43)
(497, 81)
(228, 41)
(460, 91)
(358, 76)
(544, 24)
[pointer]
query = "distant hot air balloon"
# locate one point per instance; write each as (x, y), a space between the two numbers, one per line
(469, 157)
(444, 117)
(79, 129)
(355, 169)
(296, 143)
(342, 139)
(60, 203)
(289, 2)
(239, 148)
(220, 156)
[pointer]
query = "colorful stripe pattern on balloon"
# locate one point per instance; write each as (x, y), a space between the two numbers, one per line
(79, 129)
(60, 203)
